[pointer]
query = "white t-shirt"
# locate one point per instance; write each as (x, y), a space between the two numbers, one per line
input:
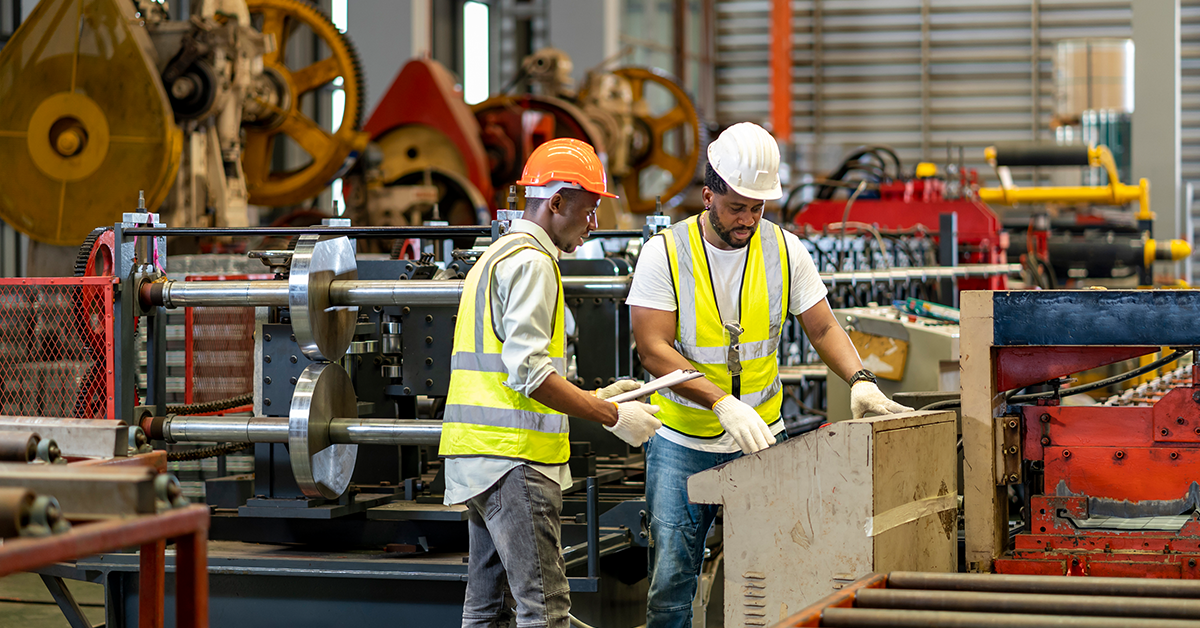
(652, 288)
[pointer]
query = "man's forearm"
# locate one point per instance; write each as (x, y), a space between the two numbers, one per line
(660, 358)
(559, 394)
(837, 352)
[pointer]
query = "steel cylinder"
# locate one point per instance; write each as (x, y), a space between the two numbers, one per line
(369, 431)
(342, 431)
(1126, 587)
(223, 293)
(978, 601)
(18, 446)
(15, 504)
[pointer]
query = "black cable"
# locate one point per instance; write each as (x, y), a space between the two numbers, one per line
(1064, 392)
(944, 404)
(207, 452)
(205, 407)
(17, 600)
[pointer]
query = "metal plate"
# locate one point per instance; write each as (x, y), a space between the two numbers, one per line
(323, 332)
(322, 469)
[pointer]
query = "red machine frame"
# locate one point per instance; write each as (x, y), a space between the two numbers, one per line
(917, 206)
(188, 527)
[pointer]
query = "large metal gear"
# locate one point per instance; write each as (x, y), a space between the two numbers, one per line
(664, 154)
(275, 110)
(75, 146)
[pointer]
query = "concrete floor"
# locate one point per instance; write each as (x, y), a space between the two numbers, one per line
(27, 586)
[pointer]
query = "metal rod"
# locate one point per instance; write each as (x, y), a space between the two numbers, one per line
(370, 431)
(354, 232)
(593, 527)
(342, 431)
(1122, 587)
(1104, 606)
(869, 617)
(364, 293)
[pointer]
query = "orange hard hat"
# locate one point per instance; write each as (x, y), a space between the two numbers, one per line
(569, 162)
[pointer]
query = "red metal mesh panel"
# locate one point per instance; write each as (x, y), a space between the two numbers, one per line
(220, 347)
(56, 347)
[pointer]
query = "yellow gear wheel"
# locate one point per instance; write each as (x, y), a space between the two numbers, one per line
(276, 108)
(84, 121)
(665, 148)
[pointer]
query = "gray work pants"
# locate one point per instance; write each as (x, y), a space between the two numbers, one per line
(514, 533)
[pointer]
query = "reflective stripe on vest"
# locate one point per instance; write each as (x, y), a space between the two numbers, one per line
(484, 417)
(700, 335)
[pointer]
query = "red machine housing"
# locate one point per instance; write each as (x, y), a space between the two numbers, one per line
(1132, 461)
(916, 206)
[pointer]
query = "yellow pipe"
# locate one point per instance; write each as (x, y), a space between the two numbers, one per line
(1115, 193)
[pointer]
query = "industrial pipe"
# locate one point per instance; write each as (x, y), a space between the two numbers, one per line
(869, 617)
(1120, 587)
(363, 293)
(989, 602)
(18, 446)
(342, 431)
(366, 293)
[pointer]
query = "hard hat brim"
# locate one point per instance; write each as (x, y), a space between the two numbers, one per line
(772, 194)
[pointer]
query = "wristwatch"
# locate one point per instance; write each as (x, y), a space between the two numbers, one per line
(863, 376)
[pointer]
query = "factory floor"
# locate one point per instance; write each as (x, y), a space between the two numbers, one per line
(37, 608)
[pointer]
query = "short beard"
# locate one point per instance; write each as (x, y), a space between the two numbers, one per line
(726, 235)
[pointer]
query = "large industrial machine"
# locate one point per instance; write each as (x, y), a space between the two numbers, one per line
(197, 120)
(437, 159)
(1099, 490)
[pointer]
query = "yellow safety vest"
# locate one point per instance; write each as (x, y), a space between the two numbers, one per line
(701, 337)
(483, 416)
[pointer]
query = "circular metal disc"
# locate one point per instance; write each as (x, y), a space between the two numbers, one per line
(323, 332)
(322, 469)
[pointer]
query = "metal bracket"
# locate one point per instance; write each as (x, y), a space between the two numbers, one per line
(1009, 437)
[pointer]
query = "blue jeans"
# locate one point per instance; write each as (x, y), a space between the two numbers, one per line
(514, 532)
(678, 529)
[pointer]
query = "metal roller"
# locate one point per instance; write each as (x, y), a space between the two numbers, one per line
(975, 601)
(870, 617)
(1119, 587)
(19, 446)
(323, 329)
(15, 507)
(353, 293)
(342, 430)
(321, 467)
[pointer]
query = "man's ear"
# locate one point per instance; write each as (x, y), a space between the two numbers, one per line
(706, 195)
(557, 203)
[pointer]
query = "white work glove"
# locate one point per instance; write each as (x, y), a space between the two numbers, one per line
(614, 389)
(866, 397)
(742, 422)
(635, 422)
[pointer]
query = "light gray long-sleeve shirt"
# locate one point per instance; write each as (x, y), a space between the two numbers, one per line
(524, 295)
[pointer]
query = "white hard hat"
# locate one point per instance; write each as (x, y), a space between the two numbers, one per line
(747, 158)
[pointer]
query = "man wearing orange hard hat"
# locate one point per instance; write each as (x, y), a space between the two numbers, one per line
(505, 432)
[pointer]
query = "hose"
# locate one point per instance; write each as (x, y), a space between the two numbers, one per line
(207, 452)
(207, 407)
(1067, 392)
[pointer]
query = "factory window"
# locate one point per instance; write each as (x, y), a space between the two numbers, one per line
(338, 10)
(475, 52)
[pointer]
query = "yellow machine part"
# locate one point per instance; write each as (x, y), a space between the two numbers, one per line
(329, 151)
(84, 121)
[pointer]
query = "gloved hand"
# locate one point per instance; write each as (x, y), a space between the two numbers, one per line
(742, 422)
(635, 422)
(866, 397)
(616, 388)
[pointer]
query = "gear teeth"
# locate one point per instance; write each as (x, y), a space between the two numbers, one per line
(85, 250)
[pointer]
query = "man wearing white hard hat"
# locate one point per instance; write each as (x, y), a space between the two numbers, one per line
(712, 293)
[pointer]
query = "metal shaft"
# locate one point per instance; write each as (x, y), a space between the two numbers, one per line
(362, 293)
(1124, 587)
(862, 617)
(976, 601)
(342, 431)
